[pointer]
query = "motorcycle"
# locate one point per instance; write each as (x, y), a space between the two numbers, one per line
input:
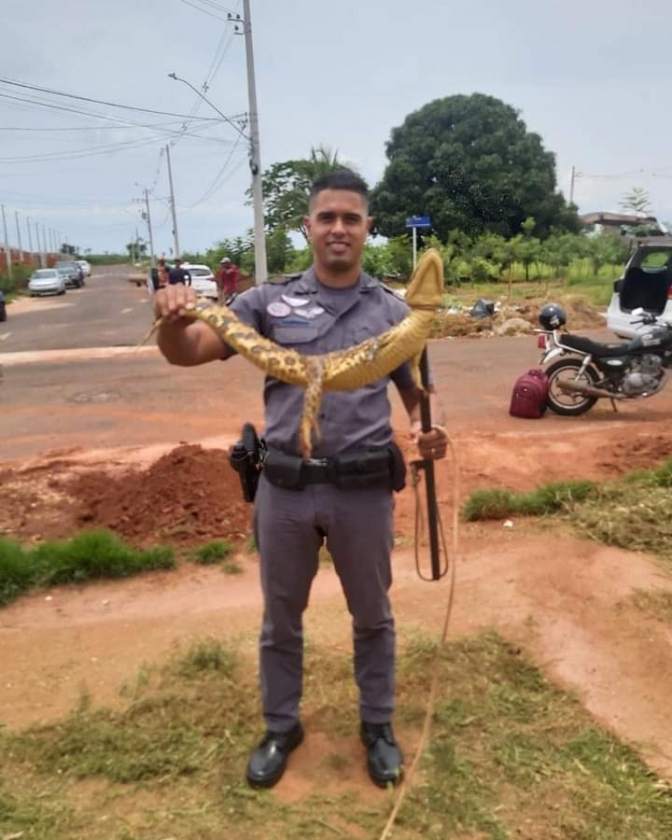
(582, 371)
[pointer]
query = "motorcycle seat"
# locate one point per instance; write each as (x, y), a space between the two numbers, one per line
(600, 351)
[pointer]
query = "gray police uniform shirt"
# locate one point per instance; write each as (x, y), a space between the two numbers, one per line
(313, 319)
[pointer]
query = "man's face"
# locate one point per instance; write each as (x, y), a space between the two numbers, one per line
(338, 226)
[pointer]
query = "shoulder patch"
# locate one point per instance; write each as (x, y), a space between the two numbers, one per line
(283, 279)
(398, 293)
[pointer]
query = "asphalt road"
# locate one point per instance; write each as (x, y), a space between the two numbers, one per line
(109, 311)
(80, 401)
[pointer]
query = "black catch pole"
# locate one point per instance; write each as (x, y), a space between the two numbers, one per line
(428, 466)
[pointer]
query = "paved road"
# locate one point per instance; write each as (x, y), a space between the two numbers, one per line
(109, 311)
(139, 399)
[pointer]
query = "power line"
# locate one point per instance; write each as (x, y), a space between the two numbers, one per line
(215, 184)
(110, 148)
(125, 126)
(40, 89)
(204, 11)
(80, 112)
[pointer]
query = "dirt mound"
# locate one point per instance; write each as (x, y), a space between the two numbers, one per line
(581, 315)
(190, 495)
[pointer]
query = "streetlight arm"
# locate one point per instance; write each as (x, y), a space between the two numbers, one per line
(198, 93)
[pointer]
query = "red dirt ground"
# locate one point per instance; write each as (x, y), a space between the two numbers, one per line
(565, 601)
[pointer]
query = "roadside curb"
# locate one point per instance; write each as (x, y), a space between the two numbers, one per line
(83, 354)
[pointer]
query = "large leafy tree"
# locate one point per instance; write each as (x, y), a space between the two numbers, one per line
(286, 188)
(469, 163)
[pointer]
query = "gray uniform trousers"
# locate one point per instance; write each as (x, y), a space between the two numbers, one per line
(289, 528)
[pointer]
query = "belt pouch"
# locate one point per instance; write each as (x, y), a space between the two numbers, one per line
(284, 470)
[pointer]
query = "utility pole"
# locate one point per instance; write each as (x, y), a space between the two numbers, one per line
(571, 185)
(18, 236)
(30, 239)
(39, 245)
(261, 271)
(172, 204)
(8, 250)
(149, 228)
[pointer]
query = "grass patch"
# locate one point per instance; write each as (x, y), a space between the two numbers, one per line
(631, 513)
(218, 553)
(553, 497)
(511, 756)
(89, 555)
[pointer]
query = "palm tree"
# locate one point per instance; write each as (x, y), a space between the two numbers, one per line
(286, 187)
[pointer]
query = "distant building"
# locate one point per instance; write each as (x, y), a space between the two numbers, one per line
(629, 225)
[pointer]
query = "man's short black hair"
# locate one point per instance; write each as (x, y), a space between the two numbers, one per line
(340, 179)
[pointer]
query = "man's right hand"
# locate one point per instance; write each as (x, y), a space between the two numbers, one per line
(171, 302)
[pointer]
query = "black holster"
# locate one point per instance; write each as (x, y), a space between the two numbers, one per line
(246, 458)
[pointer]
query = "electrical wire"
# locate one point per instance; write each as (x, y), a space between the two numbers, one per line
(216, 183)
(40, 89)
(204, 11)
(110, 148)
(92, 127)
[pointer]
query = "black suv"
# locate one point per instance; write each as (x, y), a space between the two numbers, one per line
(74, 276)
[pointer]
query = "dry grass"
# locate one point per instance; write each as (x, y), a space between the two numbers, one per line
(511, 756)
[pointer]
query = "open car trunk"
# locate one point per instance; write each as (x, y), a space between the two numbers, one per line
(647, 288)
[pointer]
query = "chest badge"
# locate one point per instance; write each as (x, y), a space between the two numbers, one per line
(293, 301)
(313, 312)
(278, 309)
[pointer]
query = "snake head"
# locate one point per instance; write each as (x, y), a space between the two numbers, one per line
(425, 288)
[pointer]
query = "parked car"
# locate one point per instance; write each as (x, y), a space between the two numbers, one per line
(47, 281)
(85, 266)
(202, 280)
(74, 276)
(646, 282)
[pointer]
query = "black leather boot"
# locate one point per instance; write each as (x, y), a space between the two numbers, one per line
(269, 760)
(384, 758)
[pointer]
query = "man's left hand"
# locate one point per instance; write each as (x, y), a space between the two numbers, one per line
(432, 445)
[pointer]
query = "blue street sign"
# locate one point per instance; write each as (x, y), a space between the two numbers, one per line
(418, 222)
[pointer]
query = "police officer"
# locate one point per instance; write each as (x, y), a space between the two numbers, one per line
(299, 505)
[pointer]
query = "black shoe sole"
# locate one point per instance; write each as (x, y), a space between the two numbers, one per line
(271, 781)
(383, 783)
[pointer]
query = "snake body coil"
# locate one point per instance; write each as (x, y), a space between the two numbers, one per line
(342, 370)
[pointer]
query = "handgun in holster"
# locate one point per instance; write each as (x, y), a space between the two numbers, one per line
(246, 458)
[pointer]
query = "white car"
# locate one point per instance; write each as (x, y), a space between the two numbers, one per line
(202, 280)
(85, 266)
(647, 283)
(46, 281)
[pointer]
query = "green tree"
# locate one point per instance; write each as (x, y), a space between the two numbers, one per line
(286, 188)
(279, 251)
(469, 162)
(135, 249)
(606, 250)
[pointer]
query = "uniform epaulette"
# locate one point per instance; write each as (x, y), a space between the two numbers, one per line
(283, 279)
(398, 293)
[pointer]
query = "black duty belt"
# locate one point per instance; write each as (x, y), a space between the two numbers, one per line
(360, 468)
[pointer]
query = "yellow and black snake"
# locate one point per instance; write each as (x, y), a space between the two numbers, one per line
(342, 370)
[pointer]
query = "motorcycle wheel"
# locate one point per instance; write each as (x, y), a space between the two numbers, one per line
(569, 405)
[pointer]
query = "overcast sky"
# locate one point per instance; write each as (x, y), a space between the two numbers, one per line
(592, 79)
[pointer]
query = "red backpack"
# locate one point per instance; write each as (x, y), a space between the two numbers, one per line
(529, 395)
